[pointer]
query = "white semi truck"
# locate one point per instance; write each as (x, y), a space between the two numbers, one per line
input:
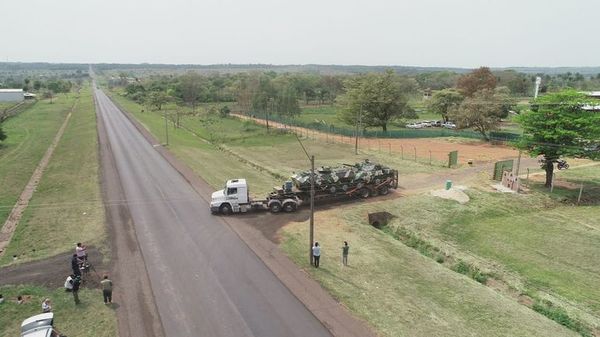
(235, 197)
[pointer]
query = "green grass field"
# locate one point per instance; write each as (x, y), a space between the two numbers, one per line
(327, 114)
(29, 135)
(398, 290)
(67, 205)
(90, 318)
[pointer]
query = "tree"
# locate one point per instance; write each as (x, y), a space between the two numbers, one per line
(444, 101)
(157, 99)
(561, 125)
(476, 80)
(2, 134)
(481, 112)
(190, 86)
(375, 100)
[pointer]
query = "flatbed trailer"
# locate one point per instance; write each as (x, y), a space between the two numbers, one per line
(235, 197)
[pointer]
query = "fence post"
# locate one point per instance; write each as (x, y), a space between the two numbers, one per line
(379, 140)
(402, 151)
(429, 157)
(390, 148)
(415, 153)
(527, 179)
(580, 192)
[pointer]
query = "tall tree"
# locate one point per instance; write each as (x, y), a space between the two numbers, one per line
(157, 99)
(559, 125)
(444, 101)
(375, 100)
(482, 112)
(189, 87)
(476, 80)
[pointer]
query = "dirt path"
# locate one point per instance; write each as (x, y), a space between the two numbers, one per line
(468, 150)
(53, 271)
(15, 215)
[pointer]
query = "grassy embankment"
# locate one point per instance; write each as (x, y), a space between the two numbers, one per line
(67, 206)
(235, 148)
(543, 251)
(90, 318)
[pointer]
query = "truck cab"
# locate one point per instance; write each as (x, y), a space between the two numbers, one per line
(233, 198)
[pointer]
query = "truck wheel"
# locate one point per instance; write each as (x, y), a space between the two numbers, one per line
(225, 209)
(289, 207)
(275, 207)
(383, 190)
(364, 193)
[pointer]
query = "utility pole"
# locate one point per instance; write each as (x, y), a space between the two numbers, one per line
(166, 128)
(312, 206)
(358, 122)
(311, 231)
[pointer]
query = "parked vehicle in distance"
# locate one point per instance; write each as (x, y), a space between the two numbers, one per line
(449, 125)
(414, 126)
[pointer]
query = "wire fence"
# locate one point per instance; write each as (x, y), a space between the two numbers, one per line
(497, 136)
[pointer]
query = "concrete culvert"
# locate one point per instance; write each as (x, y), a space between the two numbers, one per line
(379, 219)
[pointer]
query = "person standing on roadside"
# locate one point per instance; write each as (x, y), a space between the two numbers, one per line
(75, 290)
(345, 249)
(106, 289)
(316, 251)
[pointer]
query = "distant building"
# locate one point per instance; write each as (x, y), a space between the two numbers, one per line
(11, 95)
(596, 95)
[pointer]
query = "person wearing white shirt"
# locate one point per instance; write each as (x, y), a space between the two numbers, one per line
(316, 251)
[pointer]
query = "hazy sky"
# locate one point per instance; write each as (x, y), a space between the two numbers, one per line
(462, 33)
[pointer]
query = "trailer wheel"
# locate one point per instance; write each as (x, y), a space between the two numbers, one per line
(364, 192)
(289, 207)
(275, 207)
(225, 209)
(383, 190)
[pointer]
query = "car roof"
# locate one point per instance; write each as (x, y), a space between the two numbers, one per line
(38, 325)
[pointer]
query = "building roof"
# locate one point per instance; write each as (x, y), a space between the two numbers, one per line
(595, 94)
(11, 90)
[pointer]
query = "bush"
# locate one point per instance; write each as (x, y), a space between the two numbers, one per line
(561, 317)
(2, 134)
(471, 271)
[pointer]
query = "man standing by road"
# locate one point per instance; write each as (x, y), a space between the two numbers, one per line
(316, 251)
(345, 249)
(106, 289)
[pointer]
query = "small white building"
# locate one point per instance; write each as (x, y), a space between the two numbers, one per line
(11, 95)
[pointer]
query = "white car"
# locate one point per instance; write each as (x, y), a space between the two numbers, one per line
(449, 125)
(39, 326)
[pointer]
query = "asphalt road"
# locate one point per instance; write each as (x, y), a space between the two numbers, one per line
(205, 280)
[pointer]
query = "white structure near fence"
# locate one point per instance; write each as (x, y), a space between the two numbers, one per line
(11, 95)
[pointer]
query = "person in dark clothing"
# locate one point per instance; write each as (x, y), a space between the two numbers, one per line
(345, 249)
(107, 286)
(75, 290)
(75, 265)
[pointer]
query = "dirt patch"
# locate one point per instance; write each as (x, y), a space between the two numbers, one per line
(438, 148)
(52, 272)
